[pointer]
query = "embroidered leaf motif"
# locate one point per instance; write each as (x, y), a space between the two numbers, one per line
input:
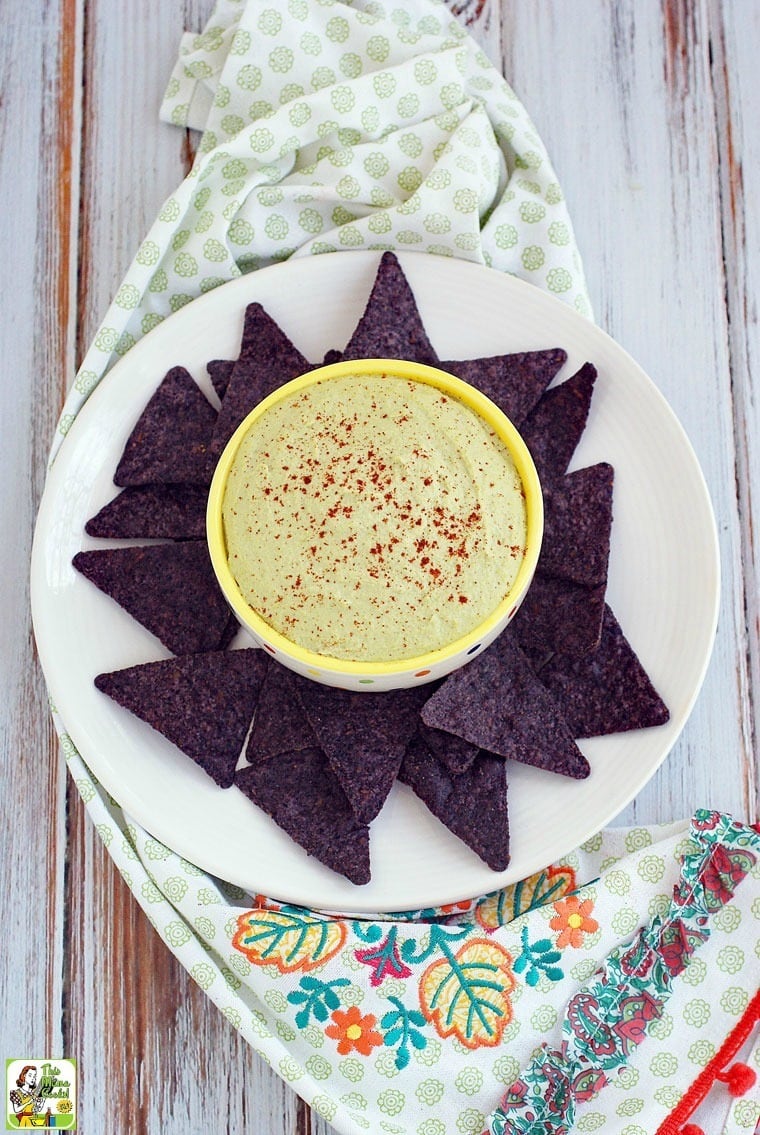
(503, 906)
(400, 1030)
(317, 997)
(536, 958)
(466, 994)
(291, 941)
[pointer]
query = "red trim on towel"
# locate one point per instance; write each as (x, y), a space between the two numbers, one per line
(717, 1069)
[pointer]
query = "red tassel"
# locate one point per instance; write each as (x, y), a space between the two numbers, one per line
(692, 1129)
(739, 1078)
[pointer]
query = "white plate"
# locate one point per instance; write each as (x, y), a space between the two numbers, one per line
(663, 585)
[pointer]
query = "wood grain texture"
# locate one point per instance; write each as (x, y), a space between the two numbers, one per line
(649, 111)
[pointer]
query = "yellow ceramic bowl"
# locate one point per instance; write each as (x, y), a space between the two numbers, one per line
(373, 677)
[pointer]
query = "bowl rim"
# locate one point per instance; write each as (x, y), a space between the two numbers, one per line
(457, 388)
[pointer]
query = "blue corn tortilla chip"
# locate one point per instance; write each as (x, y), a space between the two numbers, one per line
(303, 797)
(267, 360)
(391, 327)
(280, 725)
(578, 525)
(332, 356)
(170, 588)
(554, 427)
(203, 703)
(558, 616)
(472, 805)
(514, 383)
(170, 442)
(452, 751)
(364, 737)
(607, 691)
(169, 512)
(220, 373)
(497, 703)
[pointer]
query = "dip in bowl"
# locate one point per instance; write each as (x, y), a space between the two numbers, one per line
(375, 523)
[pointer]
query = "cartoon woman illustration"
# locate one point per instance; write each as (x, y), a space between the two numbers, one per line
(27, 1101)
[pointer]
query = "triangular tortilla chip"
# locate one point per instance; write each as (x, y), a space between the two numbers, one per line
(170, 443)
(453, 752)
(303, 797)
(364, 737)
(169, 512)
(577, 526)
(170, 588)
(607, 691)
(220, 373)
(267, 360)
(513, 382)
(391, 327)
(558, 616)
(554, 427)
(497, 703)
(280, 725)
(472, 805)
(203, 703)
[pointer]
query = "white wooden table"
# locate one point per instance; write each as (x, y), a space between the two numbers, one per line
(650, 113)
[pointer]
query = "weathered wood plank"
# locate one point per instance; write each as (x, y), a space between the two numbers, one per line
(39, 62)
(623, 97)
(734, 34)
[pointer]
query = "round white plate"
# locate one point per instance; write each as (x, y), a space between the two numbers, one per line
(663, 585)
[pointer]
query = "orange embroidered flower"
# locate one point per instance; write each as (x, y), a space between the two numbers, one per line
(354, 1032)
(456, 907)
(573, 920)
